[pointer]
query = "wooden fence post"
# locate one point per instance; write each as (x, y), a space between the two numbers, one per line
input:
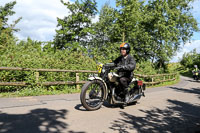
(152, 81)
(77, 80)
(37, 74)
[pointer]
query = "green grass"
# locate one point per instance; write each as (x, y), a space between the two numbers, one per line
(165, 83)
(39, 91)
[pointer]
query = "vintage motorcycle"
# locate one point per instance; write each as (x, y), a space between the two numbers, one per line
(196, 75)
(106, 87)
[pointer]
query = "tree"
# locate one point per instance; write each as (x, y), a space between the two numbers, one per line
(104, 27)
(104, 38)
(118, 25)
(74, 30)
(128, 27)
(156, 29)
(190, 59)
(128, 17)
(168, 23)
(6, 30)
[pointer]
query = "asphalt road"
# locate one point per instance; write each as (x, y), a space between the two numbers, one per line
(173, 109)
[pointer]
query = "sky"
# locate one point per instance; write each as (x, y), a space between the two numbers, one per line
(39, 20)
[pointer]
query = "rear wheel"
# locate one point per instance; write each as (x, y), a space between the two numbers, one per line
(92, 95)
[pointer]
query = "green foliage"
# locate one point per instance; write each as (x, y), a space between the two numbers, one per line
(145, 68)
(102, 45)
(6, 30)
(190, 59)
(30, 54)
(6, 11)
(75, 29)
(155, 29)
(168, 23)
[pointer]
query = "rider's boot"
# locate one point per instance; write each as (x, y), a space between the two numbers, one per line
(127, 95)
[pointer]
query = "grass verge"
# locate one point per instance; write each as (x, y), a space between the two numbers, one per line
(39, 91)
(165, 83)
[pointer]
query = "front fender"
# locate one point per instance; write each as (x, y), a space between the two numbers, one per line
(98, 78)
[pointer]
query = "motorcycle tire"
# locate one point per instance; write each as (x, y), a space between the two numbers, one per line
(84, 94)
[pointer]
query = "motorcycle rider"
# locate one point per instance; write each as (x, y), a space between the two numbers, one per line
(125, 64)
(196, 70)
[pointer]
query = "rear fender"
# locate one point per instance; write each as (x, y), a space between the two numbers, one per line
(106, 87)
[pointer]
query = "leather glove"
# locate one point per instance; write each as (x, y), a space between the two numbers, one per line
(119, 68)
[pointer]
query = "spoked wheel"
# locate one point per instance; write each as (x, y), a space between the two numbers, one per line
(92, 95)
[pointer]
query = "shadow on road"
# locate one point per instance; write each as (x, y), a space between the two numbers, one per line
(178, 117)
(36, 121)
(195, 91)
(190, 80)
(80, 107)
(105, 104)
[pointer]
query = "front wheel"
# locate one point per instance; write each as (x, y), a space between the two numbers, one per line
(92, 95)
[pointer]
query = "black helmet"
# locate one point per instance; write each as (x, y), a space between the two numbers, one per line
(125, 46)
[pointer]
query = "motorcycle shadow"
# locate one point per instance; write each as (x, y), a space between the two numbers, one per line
(80, 107)
(121, 106)
(107, 105)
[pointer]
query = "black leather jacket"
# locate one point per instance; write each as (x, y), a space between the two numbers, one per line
(128, 65)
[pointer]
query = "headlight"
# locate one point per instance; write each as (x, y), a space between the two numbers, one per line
(103, 70)
(99, 67)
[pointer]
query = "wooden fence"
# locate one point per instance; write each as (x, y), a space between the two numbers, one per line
(154, 79)
(158, 78)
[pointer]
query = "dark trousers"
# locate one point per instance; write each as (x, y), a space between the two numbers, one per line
(124, 82)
